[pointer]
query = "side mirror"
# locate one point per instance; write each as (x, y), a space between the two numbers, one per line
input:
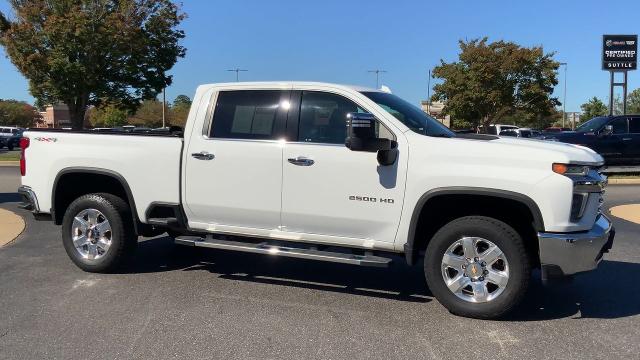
(361, 136)
(608, 130)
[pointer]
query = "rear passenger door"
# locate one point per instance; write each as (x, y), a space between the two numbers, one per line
(234, 166)
(632, 141)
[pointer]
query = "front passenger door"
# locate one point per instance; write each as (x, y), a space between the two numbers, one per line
(611, 146)
(330, 193)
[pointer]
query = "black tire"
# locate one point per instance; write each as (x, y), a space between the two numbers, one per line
(123, 237)
(500, 234)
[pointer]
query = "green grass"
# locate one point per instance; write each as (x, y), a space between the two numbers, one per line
(9, 155)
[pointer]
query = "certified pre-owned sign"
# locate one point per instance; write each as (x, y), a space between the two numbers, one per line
(619, 52)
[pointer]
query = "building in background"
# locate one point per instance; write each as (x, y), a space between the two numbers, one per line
(434, 108)
(55, 116)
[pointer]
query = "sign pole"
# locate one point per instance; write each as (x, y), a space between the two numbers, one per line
(611, 93)
(624, 96)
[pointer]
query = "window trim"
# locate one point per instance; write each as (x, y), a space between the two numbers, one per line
(280, 120)
(293, 123)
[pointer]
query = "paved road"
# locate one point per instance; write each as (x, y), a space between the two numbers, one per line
(174, 303)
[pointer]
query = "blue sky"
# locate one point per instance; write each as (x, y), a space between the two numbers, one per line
(338, 41)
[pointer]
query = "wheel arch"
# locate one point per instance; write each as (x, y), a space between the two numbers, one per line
(415, 243)
(112, 182)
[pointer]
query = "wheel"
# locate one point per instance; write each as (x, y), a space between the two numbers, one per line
(477, 267)
(98, 232)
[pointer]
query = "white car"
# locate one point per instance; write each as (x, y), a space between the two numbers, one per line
(329, 173)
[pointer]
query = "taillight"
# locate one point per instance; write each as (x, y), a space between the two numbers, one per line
(24, 144)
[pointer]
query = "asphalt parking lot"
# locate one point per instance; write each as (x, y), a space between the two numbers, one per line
(176, 303)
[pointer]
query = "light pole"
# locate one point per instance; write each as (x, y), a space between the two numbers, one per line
(164, 101)
(237, 71)
(564, 101)
(377, 72)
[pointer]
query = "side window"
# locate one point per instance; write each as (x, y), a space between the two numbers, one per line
(493, 130)
(323, 118)
(619, 125)
(634, 125)
(248, 114)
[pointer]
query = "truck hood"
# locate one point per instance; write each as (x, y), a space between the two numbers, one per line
(506, 151)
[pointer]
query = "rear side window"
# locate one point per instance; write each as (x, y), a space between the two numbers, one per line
(634, 125)
(249, 114)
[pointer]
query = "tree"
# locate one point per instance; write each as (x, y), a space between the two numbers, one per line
(108, 116)
(148, 114)
(182, 100)
(493, 80)
(90, 52)
(592, 108)
(633, 102)
(17, 113)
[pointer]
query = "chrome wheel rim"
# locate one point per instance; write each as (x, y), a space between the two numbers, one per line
(91, 234)
(475, 269)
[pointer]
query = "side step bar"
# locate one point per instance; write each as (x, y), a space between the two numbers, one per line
(278, 250)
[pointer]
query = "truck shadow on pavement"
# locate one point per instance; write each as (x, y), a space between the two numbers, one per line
(611, 291)
(161, 255)
(606, 293)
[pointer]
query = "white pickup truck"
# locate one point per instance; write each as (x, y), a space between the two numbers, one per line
(331, 173)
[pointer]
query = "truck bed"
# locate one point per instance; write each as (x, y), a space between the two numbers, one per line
(149, 163)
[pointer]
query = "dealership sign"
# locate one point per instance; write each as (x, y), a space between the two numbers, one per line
(619, 52)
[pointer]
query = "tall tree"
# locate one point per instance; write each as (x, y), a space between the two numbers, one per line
(491, 80)
(592, 108)
(182, 100)
(633, 102)
(89, 52)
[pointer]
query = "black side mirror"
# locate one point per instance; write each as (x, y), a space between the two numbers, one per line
(361, 136)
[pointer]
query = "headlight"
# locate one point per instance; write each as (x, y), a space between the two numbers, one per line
(570, 170)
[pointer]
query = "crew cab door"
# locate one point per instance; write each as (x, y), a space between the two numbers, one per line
(234, 165)
(331, 193)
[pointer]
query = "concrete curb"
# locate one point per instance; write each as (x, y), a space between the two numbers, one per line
(624, 181)
(9, 163)
(11, 226)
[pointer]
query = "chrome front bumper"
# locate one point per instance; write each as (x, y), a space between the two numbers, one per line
(570, 253)
(29, 199)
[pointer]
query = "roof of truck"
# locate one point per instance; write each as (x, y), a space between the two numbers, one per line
(266, 84)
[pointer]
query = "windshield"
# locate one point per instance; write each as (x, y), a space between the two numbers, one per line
(414, 118)
(592, 125)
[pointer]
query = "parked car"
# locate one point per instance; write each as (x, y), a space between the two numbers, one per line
(496, 129)
(556, 129)
(522, 133)
(331, 173)
(9, 136)
(615, 138)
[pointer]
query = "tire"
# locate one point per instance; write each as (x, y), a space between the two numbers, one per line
(481, 289)
(113, 233)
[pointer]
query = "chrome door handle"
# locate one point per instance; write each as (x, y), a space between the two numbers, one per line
(301, 161)
(203, 155)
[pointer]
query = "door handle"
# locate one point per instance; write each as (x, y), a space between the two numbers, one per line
(203, 155)
(626, 139)
(301, 161)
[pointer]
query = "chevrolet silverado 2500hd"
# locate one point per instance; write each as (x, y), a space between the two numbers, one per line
(330, 173)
